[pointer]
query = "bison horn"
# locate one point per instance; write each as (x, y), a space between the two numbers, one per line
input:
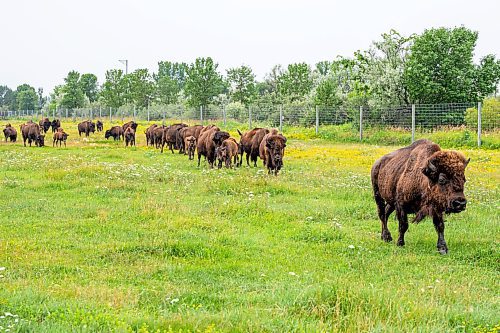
(467, 163)
(431, 167)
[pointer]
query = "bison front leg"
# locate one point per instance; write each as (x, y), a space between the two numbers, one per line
(439, 226)
(403, 225)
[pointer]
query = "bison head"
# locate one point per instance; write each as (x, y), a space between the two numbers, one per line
(219, 137)
(276, 144)
(107, 134)
(446, 173)
(40, 140)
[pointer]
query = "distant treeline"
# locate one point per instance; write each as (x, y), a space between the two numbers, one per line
(434, 67)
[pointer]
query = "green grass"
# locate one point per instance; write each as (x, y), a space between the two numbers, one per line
(96, 237)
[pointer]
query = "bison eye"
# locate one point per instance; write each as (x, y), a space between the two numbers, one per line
(442, 179)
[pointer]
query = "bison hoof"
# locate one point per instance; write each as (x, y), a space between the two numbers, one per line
(386, 237)
(401, 242)
(443, 250)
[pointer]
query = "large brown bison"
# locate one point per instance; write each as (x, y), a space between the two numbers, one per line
(116, 132)
(272, 150)
(172, 137)
(420, 179)
(208, 142)
(86, 127)
(158, 133)
(59, 137)
(227, 152)
(149, 134)
(44, 124)
(250, 143)
(132, 124)
(55, 124)
(129, 135)
(31, 132)
(10, 133)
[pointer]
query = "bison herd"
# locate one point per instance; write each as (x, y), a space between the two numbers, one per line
(420, 179)
(216, 146)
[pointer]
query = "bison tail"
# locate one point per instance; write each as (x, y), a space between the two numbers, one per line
(239, 132)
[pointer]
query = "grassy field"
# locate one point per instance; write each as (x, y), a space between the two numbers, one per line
(96, 237)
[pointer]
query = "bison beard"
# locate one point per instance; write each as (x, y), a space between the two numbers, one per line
(419, 179)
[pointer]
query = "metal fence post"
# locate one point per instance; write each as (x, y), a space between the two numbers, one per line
(134, 112)
(317, 120)
(91, 114)
(100, 112)
(66, 113)
(164, 115)
(361, 123)
(479, 109)
(281, 118)
(249, 118)
(148, 113)
(201, 114)
(224, 114)
(110, 115)
(412, 123)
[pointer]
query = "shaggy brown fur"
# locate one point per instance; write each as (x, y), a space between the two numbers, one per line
(31, 132)
(129, 135)
(186, 132)
(55, 124)
(86, 127)
(59, 137)
(272, 150)
(116, 132)
(208, 142)
(158, 133)
(10, 133)
(44, 125)
(99, 125)
(250, 143)
(132, 124)
(190, 143)
(227, 152)
(149, 135)
(172, 137)
(419, 179)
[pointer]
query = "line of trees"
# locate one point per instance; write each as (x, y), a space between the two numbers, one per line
(433, 67)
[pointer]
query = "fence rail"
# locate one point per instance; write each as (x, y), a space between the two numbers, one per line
(421, 117)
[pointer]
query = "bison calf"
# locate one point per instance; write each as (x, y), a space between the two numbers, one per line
(227, 152)
(116, 132)
(420, 179)
(59, 137)
(190, 144)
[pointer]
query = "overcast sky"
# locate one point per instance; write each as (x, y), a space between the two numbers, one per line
(43, 40)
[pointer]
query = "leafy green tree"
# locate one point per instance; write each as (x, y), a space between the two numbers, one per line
(440, 68)
(242, 83)
(25, 98)
(487, 76)
(327, 94)
(384, 67)
(113, 91)
(73, 96)
(170, 81)
(89, 86)
(323, 68)
(6, 97)
(296, 82)
(140, 87)
(203, 82)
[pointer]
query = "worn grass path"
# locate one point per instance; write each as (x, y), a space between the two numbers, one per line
(97, 237)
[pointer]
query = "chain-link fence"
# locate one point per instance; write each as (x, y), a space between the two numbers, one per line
(416, 119)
